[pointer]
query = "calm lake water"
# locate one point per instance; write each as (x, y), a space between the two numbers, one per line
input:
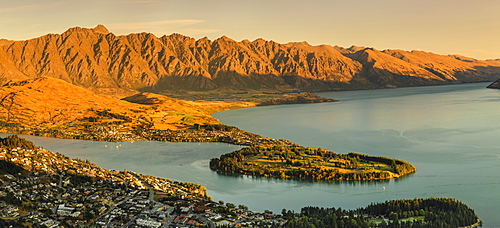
(449, 133)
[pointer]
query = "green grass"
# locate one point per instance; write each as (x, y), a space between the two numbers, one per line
(411, 219)
(315, 161)
(377, 221)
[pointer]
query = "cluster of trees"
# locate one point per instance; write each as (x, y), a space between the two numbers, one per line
(400, 167)
(13, 141)
(433, 212)
(11, 223)
(107, 113)
(10, 198)
(79, 180)
(10, 168)
(305, 163)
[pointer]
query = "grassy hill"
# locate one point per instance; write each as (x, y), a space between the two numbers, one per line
(49, 103)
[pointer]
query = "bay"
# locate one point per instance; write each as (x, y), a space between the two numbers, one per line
(186, 162)
(448, 132)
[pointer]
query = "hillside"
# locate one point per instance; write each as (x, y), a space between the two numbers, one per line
(49, 103)
(495, 84)
(103, 62)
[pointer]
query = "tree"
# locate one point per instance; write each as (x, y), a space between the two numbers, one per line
(393, 216)
(14, 141)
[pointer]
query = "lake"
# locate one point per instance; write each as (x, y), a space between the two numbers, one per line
(448, 132)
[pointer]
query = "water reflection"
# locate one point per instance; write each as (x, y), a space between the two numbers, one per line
(307, 182)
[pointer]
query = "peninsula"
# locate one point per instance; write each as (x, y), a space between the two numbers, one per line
(297, 162)
(495, 85)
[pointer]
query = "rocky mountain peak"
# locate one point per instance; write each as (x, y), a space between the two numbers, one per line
(225, 39)
(5, 42)
(101, 29)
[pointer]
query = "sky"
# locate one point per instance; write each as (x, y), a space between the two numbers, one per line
(464, 27)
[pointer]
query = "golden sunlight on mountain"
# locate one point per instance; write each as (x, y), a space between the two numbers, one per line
(51, 103)
(101, 61)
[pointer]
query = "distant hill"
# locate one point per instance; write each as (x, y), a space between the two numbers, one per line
(495, 84)
(50, 103)
(101, 61)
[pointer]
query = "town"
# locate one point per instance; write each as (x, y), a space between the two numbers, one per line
(45, 189)
(118, 132)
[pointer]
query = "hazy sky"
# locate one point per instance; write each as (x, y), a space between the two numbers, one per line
(470, 28)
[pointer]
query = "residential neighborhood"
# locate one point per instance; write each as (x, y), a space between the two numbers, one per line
(197, 133)
(44, 189)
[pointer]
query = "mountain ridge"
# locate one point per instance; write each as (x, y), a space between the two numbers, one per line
(97, 59)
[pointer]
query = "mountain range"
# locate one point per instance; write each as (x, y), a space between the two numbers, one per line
(97, 59)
